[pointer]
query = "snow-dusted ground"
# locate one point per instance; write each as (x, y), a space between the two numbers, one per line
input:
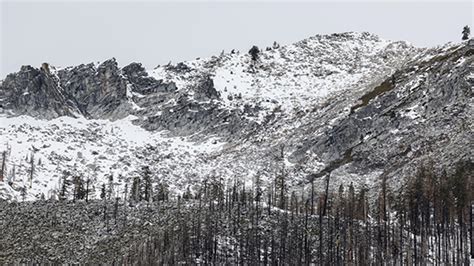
(298, 75)
(93, 149)
(287, 81)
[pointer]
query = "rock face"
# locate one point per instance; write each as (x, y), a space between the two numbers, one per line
(348, 104)
(35, 92)
(421, 113)
(97, 92)
(144, 84)
(93, 92)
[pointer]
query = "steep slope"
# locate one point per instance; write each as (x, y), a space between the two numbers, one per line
(422, 113)
(293, 76)
(348, 104)
(36, 92)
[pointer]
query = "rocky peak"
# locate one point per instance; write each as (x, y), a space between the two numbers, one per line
(108, 69)
(142, 83)
(35, 92)
(134, 70)
(105, 91)
(26, 68)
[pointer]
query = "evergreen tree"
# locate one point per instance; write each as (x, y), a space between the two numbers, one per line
(148, 188)
(103, 192)
(161, 192)
(64, 186)
(135, 193)
(79, 190)
(187, 194)
(275, 45)
(3, 169)
(110, 186)
(254, 53)
(32, 168)
(12, 176)
(466, 32)
(23, 193)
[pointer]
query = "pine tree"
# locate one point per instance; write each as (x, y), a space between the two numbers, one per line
(460, 181)
(116, 209)
(280, 184)
(135, 194)
(12, 176)
(187, 194)
(280, 180)
(110, 186)
(23, 193)
(148, 188)
(32, 168)
(275, 45)
(103, 192)
(466, 32)
(326, 194)
(161, 192)
(79, 190)
(4, 166)
(87, 189)
(254, 53)
(64, 186)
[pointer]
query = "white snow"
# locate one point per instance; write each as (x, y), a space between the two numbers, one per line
(293, 76)
(285, 81)
(71, 144)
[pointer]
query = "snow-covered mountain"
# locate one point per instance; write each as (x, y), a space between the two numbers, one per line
(351, 104)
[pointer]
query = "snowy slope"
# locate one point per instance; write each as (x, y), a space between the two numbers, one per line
(299, 97)
(92, 149)
(295, 76)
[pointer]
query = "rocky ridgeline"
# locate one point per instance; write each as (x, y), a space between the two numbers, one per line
(108, 92)
(87, 90)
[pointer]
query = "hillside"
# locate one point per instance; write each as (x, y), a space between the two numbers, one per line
(340, 149)
(351, 104)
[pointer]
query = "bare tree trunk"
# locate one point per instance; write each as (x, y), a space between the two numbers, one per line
(4, 161)
(320, 209)
(326, 195)
(470, 231)
(312, 196)
(32, 168)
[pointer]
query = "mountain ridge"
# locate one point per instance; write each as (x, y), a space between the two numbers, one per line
(349, 104)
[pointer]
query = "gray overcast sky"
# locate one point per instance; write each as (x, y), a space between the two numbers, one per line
(154, 33)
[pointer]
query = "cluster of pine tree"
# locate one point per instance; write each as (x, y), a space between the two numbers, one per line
(428, 221)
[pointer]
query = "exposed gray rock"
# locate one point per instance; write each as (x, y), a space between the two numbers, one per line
(101, 92)
(404, 106)
(35, 92)
(422, 113)
(45, 232)
(97, 92)
(144, 84)
(205, 90)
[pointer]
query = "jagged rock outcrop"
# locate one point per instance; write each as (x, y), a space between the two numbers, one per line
(205, 90)
(35, 92)
(94, 92)
(142, 83)
(98, 92)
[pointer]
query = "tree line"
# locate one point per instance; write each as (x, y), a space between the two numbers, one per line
(428, 221)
